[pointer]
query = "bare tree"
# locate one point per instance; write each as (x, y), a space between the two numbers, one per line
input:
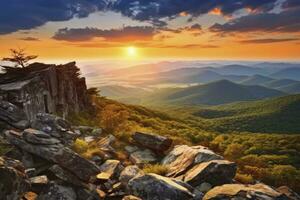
(19, 57)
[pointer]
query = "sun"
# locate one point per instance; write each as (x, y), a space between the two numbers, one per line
(131, 51)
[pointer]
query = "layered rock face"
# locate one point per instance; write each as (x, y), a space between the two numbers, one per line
(45, 88)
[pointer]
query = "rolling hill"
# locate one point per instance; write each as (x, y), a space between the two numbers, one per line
(289, 73)
(256, 80)
(239, 70)
(276, 115)
(215, 93)
(279, 83)
(293, 88)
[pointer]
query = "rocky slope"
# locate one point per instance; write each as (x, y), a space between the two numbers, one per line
(43, 166)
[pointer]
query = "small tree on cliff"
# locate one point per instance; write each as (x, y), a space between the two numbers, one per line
(19, 58)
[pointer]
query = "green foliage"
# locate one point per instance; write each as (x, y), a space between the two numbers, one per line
(271, 158)
(279, 115)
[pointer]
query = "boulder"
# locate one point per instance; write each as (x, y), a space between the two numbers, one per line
(109, 169)
(39, 137)
(66, 176)
(156, 187)
(288, 192)
(57, 153)
(54, 126)
(142, 157)
(131, 149)
(183, 157)
(38, 183)
(13, 181)
(129, 173)
(155, 142)
(239, 191)
(131, 197)
(105, 143)
(12, 115)
(55, 191)
(216, 172)
(39, 180)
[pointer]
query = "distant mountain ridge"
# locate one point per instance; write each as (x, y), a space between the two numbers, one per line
(215, 93)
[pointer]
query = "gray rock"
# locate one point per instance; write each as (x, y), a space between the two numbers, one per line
(45, 88)
(142, 157)
(216, 172)
(54, 126)
(155, 142)
(131, 149)
(155, 187)
(39, 180)
(13, 181)
(109, 169)
(129, 173)
(66, 176)
(56, 153)
(55, 191)
(38, 137)
(204, 187)
(183, 157)
(89, 139)
(131, 197)
(12, 115)
(238, 191)
(97, 160)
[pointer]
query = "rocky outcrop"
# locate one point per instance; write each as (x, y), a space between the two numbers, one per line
(55, 191)
(53, 152)
(142, 157)
(155, 187)
(11, 115)
(216, 172)
(238, 191)
(13, 182)
(129, 173)
(184, 157)
(109, 169)
(155, 142)
(54, 126)
(45, 88)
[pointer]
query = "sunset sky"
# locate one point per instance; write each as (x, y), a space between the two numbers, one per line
(142, 29)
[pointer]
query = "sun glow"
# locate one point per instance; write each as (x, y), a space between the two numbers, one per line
(131, 52)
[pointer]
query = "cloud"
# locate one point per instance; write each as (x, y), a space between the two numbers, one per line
(27, 14)
(156, 10)
(29, 39)
(286, 21)
(268, 40)
(142, 44)
(127, 33)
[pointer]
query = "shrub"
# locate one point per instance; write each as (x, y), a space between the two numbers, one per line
(156, 169)
(244, 178)
(80, 146)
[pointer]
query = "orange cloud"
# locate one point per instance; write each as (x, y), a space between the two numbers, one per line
(216, 11)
